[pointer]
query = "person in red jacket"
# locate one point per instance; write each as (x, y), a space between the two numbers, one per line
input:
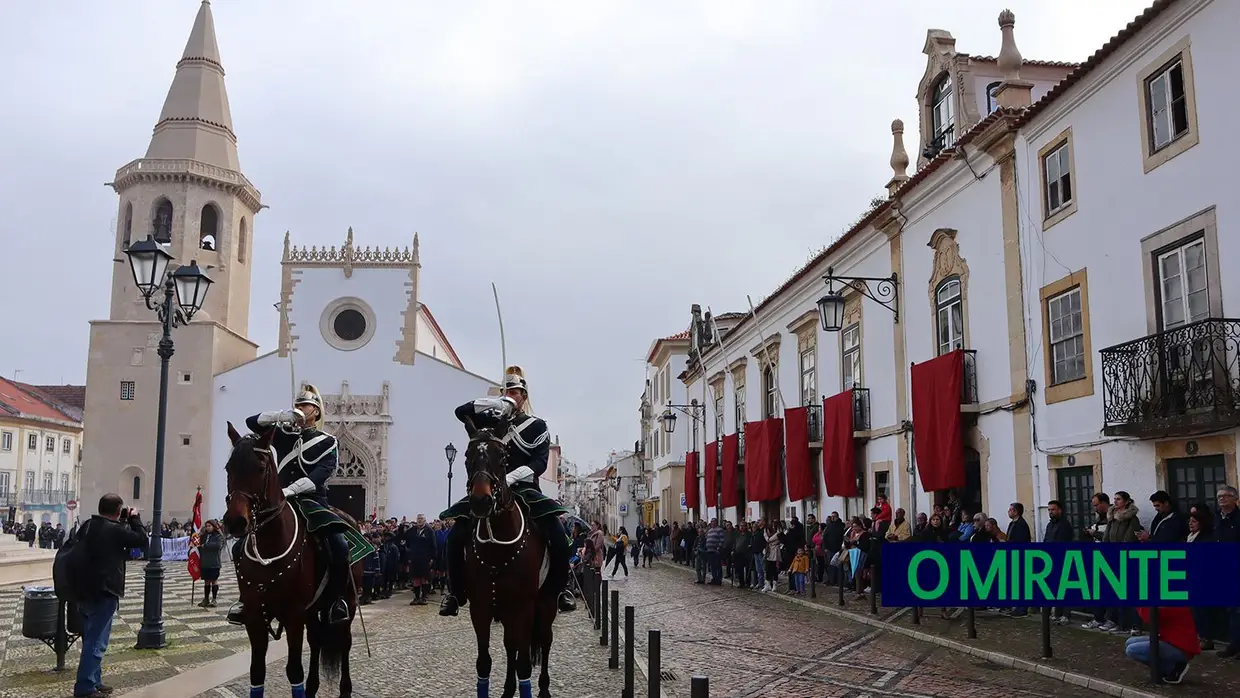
(884, 508)
(1177, 642)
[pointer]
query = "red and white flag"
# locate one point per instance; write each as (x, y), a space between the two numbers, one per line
(195, 564)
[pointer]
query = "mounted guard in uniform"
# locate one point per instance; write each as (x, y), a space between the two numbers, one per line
(528, 444)
(306, 458)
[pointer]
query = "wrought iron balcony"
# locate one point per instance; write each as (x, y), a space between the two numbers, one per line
(8, 499)
(942, 141)
(861, 409)
(815, 423)
(1177, 381)
(740, 444)
(45, 497)
(968, 385)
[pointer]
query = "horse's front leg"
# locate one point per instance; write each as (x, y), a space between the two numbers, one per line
(314, 637)
(295, 673)
(346, 646)
(481, 619)
(510, 669)
(258, 657)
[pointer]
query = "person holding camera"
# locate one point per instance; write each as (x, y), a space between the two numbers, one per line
(107, 536)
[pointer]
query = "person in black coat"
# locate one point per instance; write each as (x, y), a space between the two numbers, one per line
(107, 537)
(420, 546)
(1018, 532)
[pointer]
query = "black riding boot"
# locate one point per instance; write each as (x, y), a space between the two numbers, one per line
(455, 598)
(234, 612)
(561, 551)
(338, 574)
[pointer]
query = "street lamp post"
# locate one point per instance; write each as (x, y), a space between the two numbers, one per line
(450, 452)
(697, 413)
(149, 262)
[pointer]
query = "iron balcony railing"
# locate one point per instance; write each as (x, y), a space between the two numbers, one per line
(968, 384)
(8, 499)
(740, 444)
(1180, 380)
(943, 140)
(46, 496)
(815, 423)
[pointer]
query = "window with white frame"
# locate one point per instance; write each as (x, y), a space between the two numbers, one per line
(1058, 170)
(1067, 336)
(992, 102)
(66, 447)
(50, 444)
(4, 481)
(1168, 105)
(127, 390)
(809, 376)
(770, 391)
(32, 442)
(850, 356)
(719, 427)
(47, 482)
(941, 113)
(64, 482)
(6, 441)
(29, 481)
(740, 406)
(1183, 285)
(949, 315)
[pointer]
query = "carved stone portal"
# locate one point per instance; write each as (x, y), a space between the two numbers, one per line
(361, 423)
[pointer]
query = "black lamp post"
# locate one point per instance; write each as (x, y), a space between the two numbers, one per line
(697, 413)
(885, 292)
(450, 452)
(149, 262)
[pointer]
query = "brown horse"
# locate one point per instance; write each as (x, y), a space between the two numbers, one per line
(503, 562)
(281, 574)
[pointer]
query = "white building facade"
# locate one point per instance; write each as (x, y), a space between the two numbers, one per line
(1142, 393)
(1022, 167)
(664, 442)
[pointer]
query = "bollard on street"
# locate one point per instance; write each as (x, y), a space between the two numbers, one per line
(595, 592)
(699, 687)
(970, 619)
(654, 664)
(614, 661)
(813, 576)
(602, 600)
(916, 615)
(628, 652)
(840, 576)
(1155, 671)
(1046, 633)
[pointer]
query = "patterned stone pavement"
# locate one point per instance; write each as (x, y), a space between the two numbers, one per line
(751, 646)
(196, 636)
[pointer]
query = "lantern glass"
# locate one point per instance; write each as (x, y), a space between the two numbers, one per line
(669, 420)
(148, 261)
(191, 285)
(831, 311)
(450, 452)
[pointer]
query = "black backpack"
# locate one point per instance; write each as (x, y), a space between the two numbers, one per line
(71, 571)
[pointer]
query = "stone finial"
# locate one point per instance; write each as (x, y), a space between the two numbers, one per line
(1009, 56)
(899, 159)
(417, 256)
(287, 245)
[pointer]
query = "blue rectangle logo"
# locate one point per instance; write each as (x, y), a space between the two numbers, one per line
(1061, 574)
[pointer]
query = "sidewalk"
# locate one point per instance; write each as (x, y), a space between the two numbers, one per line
(1018, 643)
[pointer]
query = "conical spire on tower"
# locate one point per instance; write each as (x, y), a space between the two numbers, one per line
(196, 123)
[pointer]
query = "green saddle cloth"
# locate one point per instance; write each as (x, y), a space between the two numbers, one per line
(536, 505)
(322, 519)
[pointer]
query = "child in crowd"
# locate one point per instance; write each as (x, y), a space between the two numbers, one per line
(799, 568)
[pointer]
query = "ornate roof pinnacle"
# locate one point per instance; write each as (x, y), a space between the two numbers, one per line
(1010, 59)
(899, 159)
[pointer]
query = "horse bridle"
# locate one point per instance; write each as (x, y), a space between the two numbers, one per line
(260, 513)
(498, 485)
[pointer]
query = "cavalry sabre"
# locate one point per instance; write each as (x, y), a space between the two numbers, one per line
(503, 346)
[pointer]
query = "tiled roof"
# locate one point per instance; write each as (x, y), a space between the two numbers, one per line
(72, 397)
(679, 336)
(1142, 20)
(17, 401)
(1027, 61)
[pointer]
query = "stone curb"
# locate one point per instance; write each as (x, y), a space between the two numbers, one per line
(1109, 688)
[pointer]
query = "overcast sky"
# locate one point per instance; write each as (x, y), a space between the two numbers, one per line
(598, 160)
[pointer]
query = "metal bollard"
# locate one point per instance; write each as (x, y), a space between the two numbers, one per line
(876, 581)
(1155, 672)
(598, 620)
(813, 576)
(840, 576)
(602, 625)
(1046, 633)
(614, 661)
(61, 641)
(654, 664)
(970, 622)
(699, 687)
(628, 652)
(916, 615)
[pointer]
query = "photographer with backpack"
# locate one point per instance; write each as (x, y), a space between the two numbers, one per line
(91, 572)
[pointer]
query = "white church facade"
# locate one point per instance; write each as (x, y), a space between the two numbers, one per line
(352, 324)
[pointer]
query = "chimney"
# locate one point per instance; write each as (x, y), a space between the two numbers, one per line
(1012, 92)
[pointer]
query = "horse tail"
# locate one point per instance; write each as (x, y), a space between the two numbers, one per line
(334, 642)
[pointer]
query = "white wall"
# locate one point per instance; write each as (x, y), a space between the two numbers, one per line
(1119, 204)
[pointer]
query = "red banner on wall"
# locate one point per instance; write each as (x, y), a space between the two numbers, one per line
(691, 481)
(731, 458)
(764, 445)
(937, 441)
(802, 482)
(839, 465)
(710, 470)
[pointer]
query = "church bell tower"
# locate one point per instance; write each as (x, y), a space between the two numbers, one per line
(188, 192)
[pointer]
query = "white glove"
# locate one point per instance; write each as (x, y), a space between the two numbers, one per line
(301, 486)
(522, 473)
(504, 406)
(266, 419)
